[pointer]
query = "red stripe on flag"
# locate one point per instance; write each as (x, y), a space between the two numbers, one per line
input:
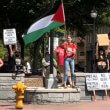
(59, 15)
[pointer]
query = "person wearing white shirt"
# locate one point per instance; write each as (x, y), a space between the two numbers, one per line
(28, 67)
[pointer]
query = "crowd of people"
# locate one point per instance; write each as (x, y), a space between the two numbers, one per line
(69, 50)
(13, 62)
(65, 64)
(65, 53)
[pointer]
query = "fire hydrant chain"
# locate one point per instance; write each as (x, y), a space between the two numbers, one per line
(19, 90)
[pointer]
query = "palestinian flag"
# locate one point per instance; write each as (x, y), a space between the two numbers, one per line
(53, 19)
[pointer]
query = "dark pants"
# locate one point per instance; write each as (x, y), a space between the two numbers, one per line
(100, 69)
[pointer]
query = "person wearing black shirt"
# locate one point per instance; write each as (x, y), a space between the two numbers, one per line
(102, 62)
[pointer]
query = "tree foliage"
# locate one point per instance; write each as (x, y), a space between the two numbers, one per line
(20, 14)
(3, 51)
(78, 13)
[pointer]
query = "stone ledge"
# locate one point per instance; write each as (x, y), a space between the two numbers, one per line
(42, 95)
(79, 74)
(57, 90)
(11, 74)
(7, 95)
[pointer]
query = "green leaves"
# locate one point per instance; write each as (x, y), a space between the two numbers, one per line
(2, 50)
(78, 14)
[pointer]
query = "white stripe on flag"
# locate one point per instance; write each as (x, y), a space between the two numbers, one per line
(42, 23)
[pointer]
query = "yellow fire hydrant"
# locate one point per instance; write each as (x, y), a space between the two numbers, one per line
(19, 90)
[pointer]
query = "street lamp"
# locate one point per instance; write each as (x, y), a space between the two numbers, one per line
(94, 15)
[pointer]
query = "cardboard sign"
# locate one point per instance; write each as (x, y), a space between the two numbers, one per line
(9, 36)
(98, 81)
(102, 39)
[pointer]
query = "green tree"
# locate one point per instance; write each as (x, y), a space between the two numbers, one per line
(78, 13)
(3, 51)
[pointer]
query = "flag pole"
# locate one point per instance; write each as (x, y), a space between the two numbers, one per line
(51, 44)
(51, 81)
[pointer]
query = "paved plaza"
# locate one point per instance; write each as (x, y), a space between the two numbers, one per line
(98, 105)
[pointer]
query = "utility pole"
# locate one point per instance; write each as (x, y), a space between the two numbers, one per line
(94, 15)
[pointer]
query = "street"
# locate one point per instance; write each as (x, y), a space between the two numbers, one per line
(97, 105)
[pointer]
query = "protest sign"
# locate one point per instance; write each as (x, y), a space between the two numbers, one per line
(9, 36)
(97, 81)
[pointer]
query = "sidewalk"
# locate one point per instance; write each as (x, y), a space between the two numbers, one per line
(98, 105)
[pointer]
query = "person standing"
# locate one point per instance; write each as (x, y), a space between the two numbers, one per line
(46, 67)
(28, 67)
(108, 53)
(11, 59)
(60, 61)
(69, 51)
(102, 62)
(18, 65)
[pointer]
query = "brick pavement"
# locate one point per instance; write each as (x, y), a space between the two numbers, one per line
(98, 105)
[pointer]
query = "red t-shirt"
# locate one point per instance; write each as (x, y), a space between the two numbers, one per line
(60, 55)
(69, 49)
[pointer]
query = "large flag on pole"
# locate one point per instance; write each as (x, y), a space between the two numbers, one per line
(53, 19)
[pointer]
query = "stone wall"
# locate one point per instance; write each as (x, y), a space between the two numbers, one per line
(81, 83)
(7, 80)
(85, 94)
(42, 95)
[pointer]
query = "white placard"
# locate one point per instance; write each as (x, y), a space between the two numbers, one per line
(98, 81)
(55, 43)
(9, 36)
